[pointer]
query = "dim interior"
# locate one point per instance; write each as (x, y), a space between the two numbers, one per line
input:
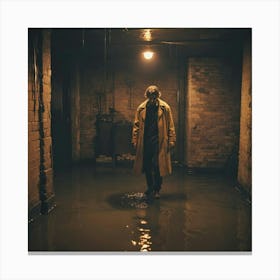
(84, 86)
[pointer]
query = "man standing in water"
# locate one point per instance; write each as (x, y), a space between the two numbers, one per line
(153, 137)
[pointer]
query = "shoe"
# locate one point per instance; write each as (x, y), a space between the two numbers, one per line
(148, 192)
(156, 195)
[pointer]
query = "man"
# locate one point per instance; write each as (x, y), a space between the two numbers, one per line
(153, 136)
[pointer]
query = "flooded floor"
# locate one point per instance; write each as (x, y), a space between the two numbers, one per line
(104, 209)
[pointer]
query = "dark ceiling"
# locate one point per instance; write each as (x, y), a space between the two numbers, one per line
(178, 36)
(136, 36)
(127, 42)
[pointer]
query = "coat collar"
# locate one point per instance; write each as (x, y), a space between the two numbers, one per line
(160, 111)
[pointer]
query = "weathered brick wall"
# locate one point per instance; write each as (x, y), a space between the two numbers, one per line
(40, 175)
(46, 139)
(125, 89)
(245, 144)
(213, 106)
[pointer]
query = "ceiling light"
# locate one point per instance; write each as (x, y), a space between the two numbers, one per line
(147, 35)
(148, 54)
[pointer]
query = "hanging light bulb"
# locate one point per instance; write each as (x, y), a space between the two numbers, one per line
(148, 55)
(147, 35)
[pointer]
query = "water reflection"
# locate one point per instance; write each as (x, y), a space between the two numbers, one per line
(143, 235)
(145, 225)
(194, 213)
(143, 230)
(157, 223)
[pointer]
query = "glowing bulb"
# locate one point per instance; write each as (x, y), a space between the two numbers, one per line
(147, 35)
(148, 54)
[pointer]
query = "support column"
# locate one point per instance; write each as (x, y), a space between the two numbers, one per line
(245, 143)
(46, 166)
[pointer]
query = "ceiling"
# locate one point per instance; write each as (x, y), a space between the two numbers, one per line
(180, 36)
(127, 42)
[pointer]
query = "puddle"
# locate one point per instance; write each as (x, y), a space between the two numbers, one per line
(136, 200)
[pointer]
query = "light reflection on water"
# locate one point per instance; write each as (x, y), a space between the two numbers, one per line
(142, 234)
(135, 200)
(212, 218)
(144, 237)
(186, 226)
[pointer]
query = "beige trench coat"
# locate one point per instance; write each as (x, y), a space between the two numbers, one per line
(167, 137)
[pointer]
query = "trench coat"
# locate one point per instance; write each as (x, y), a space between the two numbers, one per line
(166, 137)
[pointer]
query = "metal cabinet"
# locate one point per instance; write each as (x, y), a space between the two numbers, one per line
(113, 138)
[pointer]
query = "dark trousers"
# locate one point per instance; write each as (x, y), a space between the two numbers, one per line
(151, 167)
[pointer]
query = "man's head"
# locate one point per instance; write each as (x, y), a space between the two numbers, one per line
(152, 93)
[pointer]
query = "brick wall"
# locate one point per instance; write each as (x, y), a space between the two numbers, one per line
(245, 145)
(40, 176)
(213, 106)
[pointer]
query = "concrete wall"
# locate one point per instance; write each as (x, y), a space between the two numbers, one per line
(40, 173)
(213, 107)
(245, 144)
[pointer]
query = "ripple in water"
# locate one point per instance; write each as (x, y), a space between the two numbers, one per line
(135, 200)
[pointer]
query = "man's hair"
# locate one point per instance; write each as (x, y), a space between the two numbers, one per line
(152, 90)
